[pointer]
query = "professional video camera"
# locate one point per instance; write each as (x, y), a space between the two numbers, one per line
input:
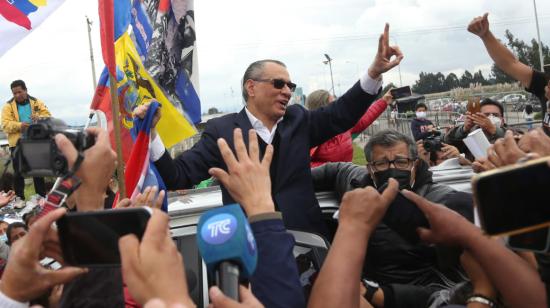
(36, 153)
(432, 143)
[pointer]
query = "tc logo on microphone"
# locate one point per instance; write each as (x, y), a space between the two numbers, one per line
(219, 228)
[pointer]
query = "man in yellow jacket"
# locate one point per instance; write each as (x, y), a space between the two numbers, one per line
(17, 114)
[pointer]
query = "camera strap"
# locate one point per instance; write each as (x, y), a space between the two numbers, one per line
(63, 188)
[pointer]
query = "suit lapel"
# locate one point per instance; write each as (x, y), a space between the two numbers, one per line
(242, 122)
(282, 153)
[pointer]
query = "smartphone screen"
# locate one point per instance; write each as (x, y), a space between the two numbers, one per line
(401, 92)
(536, 241)
(514, 200)
(474, 105)
(91, 238)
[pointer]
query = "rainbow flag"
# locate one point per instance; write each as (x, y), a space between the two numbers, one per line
(19, 17)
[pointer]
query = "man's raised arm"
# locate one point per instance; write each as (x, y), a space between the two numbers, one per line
(503, 57)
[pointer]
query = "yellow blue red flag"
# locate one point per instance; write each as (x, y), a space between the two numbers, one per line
(19, 17)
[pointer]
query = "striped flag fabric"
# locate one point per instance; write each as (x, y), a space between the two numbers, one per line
(20, 17)
(140, 172)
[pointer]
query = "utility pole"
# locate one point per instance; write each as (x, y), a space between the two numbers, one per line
(538, 37)
(89, 25)
(329, 62)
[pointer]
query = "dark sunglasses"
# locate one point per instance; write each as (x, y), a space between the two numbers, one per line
(279, 83)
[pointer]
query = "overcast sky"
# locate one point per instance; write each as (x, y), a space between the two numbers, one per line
(54, 60)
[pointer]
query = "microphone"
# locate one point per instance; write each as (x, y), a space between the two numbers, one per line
(227, 246)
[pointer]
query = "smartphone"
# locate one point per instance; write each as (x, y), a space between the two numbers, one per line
(401, 92)
(513, 200)
(91, 238)
(474, 105)
(404, 217)
(535, 241)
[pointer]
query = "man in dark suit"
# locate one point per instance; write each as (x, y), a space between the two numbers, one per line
(292, 130)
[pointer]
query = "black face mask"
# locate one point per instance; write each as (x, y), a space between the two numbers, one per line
(402, 176)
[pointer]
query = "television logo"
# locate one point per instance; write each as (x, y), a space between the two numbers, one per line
(218, 229)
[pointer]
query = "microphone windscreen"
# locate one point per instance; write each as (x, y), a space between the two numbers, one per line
(223, 234)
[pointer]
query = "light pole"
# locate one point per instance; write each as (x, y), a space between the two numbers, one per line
(538, 37)
(329, 62)
(89, 25)
(399, 65)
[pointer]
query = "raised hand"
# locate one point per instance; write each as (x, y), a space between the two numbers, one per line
(247, 178)
(479, 25)
(383, 61)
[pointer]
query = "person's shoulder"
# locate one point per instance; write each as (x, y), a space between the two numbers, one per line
(222, 119)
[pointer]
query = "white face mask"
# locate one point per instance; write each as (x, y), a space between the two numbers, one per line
(421, 114)
(495, 120)
(4, 237)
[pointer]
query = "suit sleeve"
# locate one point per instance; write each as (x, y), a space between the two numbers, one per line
(374, 111)
(191, 167)
(9, 124)
(276, 282)
(338, 117)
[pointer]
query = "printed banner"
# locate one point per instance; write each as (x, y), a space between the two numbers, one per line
(164, 31)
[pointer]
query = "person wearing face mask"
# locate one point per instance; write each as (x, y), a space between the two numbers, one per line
(490, 119)
(392, 261)
(421, 127)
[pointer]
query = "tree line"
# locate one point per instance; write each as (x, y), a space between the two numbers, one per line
(439, 82)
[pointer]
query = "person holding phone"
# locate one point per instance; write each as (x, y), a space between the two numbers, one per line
(534, 81)
(340, 147)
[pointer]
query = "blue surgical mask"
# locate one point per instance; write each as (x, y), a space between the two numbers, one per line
(4, 237)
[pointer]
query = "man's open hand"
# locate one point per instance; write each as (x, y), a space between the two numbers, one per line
(247, 178)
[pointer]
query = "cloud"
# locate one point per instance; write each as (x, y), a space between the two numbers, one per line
(54, 59)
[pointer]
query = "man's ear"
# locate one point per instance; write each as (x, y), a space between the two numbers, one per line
(249, 87)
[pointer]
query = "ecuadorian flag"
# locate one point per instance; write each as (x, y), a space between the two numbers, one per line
(140, 172)
(19, 17)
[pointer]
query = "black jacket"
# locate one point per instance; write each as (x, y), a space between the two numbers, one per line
(390, 258)
(299, 130)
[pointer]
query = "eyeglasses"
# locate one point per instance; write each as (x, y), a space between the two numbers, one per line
(399, 163)
(278, 83)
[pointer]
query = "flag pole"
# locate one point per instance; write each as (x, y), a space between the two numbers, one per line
(116, 124)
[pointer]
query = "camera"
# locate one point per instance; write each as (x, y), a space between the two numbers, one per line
(432, 143)
(37, 155)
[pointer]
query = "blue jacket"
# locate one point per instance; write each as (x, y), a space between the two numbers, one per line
(299, 131)
(275, 282)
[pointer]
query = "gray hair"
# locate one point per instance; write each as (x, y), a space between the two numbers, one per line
(388, 138)
(254, 71)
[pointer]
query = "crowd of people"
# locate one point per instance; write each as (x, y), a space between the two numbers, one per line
(402, 240)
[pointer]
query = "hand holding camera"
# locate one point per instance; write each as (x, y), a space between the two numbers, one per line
(95, 170)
